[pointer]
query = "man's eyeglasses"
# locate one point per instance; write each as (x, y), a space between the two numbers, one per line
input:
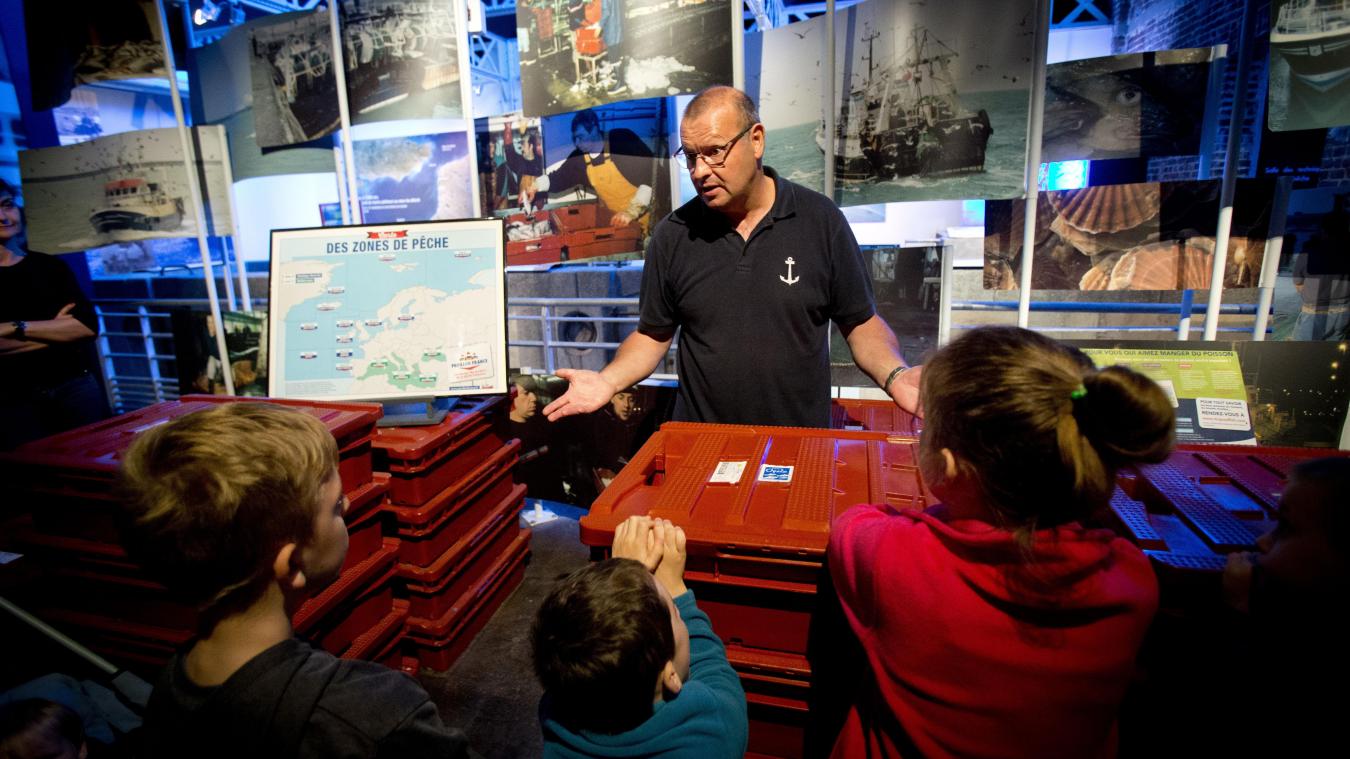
(715, 157)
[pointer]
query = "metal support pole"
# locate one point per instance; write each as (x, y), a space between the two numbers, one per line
(195, 193)
(831, 101)
(466, 105)
(1270, 260)
(1230, 169)
(344, 113)
(945, 297)
(1031, 184)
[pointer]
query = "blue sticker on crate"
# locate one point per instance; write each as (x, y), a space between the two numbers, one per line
(771, 473)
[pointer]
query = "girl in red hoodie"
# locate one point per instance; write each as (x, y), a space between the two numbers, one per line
(996, 625)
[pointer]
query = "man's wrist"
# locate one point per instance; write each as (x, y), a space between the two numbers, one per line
(18, 330)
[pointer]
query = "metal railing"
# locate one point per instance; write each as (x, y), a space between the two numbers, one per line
(552, 312)
(1182, 310)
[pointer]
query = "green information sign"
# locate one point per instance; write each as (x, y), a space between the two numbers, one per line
(1205, 387)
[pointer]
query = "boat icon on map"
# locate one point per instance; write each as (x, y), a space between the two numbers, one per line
(337, 290)
(344, 354)
(309, 326)
(406, 317)
(330, 306)
(344, 323)
(343, 367)
(386, 257)
(309, 354)
(374, 322)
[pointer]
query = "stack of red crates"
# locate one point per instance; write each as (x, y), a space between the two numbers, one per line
(756, 504)
(461, 549)
(86, 584)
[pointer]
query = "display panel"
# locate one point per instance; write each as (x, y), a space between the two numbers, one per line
(388, 311)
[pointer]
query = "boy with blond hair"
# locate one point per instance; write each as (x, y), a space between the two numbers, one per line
(630, 665)
(238, 509)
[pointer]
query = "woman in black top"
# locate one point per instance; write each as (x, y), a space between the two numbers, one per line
(48, 368)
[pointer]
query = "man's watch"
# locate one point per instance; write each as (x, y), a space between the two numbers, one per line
(20, 329)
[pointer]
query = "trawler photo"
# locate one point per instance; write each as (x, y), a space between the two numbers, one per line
(135, 204)
(1313, 36)
(906, 118)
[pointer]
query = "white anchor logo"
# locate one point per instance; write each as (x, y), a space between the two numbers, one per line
(791, 280)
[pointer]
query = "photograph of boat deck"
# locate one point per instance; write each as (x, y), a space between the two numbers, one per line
(931, 106)
(577, 54)
(1309, 64)
(294, 85)
(401, 59)
(123, 187)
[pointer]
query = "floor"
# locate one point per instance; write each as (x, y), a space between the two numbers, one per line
(491, 692)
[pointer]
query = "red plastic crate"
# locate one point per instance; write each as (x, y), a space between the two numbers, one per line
(438, 643)
(359, 599)
(777, 687)
(878, 416)
(382, 643)
(423, 461)
(428, 531)
(432, 590)
(138, 646)
(365, 521)
(757, 546)
(65, 480)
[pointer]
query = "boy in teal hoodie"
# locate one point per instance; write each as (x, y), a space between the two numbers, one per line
(629, 664)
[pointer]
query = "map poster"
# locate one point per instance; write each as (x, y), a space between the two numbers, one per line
(1205, 387)
(388, 311)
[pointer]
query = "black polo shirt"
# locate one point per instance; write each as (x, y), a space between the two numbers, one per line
(754, 328)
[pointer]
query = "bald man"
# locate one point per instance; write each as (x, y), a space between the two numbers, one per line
(751, 273)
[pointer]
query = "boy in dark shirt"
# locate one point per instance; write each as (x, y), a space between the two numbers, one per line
(239, 509)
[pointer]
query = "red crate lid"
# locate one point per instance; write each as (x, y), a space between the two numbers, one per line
(410, 445)
(791, 484)
(97, 448)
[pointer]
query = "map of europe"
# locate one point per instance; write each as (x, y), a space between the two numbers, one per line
(400, 316)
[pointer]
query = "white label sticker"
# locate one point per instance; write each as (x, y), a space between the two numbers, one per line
(1222, 414)
(728, 471)
(770, 473)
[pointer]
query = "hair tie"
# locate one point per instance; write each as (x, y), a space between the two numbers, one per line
(1078, 392)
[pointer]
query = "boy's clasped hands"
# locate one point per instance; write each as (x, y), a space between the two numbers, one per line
(658, 544)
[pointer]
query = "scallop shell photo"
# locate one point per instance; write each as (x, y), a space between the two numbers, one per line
(1109, 208)
(1167, 265)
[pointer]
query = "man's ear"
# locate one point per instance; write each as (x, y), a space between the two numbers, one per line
(670, 679)
(286, 569)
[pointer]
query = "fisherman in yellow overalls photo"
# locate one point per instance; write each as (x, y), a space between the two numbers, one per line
(617, 167)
